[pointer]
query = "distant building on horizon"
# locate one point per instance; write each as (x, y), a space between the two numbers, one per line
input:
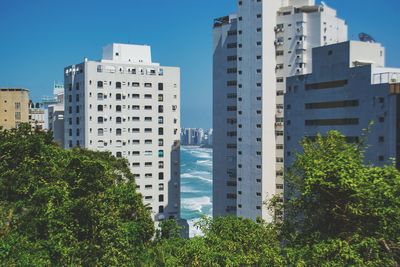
(196, 137)
(254, 52)
(348, 88)
(14, 107)
(37, 116)
(130, 106)
(55, 113)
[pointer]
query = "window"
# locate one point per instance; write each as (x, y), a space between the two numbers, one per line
(160, 142)
(160, 131)
(147, 107)
(334, 104)
(118, 108)
(160, 209)
(332, 122)
(160, 86)
(326, 85)
(231, 83)
(99, 96)
(161, 187)
(231, 58)
(160, 97)
(231, 45)
(100, 119)
(147, 130)
(161, 174)
(118, 96)
(160, 153)
(100, 108)
(160, 120)
(118, 120)
(160, 109)
(100, 132)
(118, 85)
(381, 119)
(161, 198)
(99, 84)
(135, 84)
(148, 85)
(118, 131)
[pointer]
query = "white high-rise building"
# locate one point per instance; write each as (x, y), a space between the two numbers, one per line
(130, 106)
(274, 41)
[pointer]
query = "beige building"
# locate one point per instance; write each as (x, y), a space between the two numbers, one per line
(14, 107)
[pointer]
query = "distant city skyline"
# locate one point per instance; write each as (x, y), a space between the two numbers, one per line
(43, 38)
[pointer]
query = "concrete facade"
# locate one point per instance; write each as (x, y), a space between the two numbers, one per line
(14, 107)
(224, 115)
(130, 106)
(274, 41)
(348, 89)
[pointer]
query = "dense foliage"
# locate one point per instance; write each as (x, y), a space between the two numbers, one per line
(340, 211)
(67, 207)
(80, 208)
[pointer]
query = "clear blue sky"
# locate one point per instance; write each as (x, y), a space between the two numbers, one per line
(38, 38)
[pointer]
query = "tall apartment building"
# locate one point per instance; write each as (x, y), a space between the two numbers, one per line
(14, 107)
(274, 41)
(130, 106)
(224, 115)
(348, 88)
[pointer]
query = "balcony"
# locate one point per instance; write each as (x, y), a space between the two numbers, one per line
(278, 29)
(278, 42)
(301, 59)
(301, 45)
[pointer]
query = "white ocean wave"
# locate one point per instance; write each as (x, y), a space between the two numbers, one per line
(196, 203)
(198, 152)
(206, 162)
(204, 176)
(189, 189)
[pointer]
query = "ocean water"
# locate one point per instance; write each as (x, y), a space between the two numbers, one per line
(196, 184)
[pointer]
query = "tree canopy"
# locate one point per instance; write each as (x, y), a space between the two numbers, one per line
(67, 207)
(81, 208)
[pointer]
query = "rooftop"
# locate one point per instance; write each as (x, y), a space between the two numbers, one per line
(10, 89)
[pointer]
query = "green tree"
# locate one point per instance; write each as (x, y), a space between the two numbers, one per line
(67, 207)
(340, 212)
(227, 241)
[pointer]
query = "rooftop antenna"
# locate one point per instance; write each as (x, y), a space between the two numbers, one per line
(364, 37)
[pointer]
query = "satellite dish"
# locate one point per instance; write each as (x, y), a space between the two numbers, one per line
(364, 37)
